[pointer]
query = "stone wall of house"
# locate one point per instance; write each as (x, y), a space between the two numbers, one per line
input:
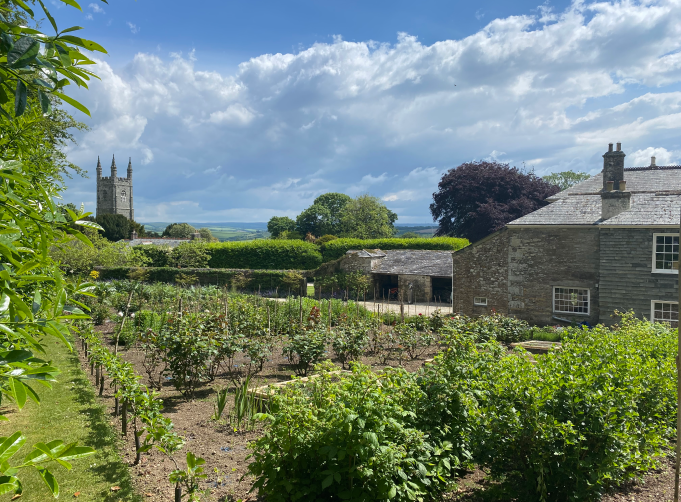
(540, 259)
(421, 290)
(481, 270)
(627, 281)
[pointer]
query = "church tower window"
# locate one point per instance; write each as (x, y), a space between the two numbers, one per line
(123, 196)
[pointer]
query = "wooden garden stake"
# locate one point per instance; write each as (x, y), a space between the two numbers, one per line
(330, 311)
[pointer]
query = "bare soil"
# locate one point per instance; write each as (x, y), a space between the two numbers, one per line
(226, 451)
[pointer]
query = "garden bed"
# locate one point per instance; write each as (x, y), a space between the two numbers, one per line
(215, 441)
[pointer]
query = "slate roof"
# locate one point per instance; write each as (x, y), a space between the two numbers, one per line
(416, 262)
(655, 200)
(366, 253)
(156, 241)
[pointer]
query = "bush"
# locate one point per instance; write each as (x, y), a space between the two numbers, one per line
(265, 280)
(349, 342)
(265, 254)
(305, 349)
(192, 254)
(350, 440)
(594, 414)
(157, 255)
(337, 248)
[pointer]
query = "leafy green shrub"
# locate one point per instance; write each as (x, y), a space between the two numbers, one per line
(348, 440)
(596, 413)
(157, 255)
(547, 334)
(266, 280)
(265, 254)
(193, 254)
(337, 248)
(414, 342)
(349, 342)
(99, 313)
(305, 349)
(493, 327)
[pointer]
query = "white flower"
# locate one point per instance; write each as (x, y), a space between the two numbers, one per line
(120, 314)
(132, 315)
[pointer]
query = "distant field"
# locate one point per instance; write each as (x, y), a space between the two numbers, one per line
(235, 231)
(232, 231)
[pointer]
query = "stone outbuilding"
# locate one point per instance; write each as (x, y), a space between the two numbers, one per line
(610, 243)
(404, 275)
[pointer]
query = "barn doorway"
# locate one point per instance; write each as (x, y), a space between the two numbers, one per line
(386, 286)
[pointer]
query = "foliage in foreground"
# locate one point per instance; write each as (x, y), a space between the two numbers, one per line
(579, 421)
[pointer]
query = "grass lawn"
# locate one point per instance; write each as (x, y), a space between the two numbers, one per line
(310, 289)
(70, 412)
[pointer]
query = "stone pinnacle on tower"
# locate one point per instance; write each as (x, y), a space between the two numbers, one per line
(114, 171)
(129, 168)
(99, 168)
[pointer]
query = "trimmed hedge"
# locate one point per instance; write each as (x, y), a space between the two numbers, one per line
(264, 280)
(335, 249)
(265, 254)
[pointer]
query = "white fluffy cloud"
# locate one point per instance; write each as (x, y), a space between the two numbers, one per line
(549, 90)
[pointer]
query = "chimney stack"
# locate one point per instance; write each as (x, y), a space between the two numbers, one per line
(614, 196)
(613, 166)
(133, 236)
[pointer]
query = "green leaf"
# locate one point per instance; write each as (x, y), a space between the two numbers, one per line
(72, 102)
(49, 479)
(73, 452)
(49, 16)
(392, 492)
(25, 49)
(72, 28)
(20, 99)
(19, 392)
(45, 103)
(11, 445)
(82, 42)
(327, 481)
(72, 3)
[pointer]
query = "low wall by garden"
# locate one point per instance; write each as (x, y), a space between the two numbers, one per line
(263, 280)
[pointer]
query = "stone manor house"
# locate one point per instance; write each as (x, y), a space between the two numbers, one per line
(114, 194)
(607, 244)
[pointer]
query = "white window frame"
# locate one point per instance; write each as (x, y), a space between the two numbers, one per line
(652, 309)
(477, 301)
(654, 262)
(588, 300)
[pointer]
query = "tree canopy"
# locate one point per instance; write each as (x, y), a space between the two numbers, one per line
(323, 217)
(565, 179)
(279, 224)
(179, 231)
(366, 217)
(478, 198)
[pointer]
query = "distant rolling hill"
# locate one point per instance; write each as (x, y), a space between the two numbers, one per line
(236, 231)
(231, 231)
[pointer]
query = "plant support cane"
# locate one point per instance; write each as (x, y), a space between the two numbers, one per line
(678, 403)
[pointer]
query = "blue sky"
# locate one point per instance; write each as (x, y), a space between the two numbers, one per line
(238, 111)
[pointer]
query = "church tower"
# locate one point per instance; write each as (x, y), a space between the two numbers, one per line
(114, 194)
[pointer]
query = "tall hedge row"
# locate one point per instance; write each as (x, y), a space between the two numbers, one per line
(265, 280)
(333, 250)
(265, 254)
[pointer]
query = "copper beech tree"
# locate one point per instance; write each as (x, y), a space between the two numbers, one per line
(476, 199)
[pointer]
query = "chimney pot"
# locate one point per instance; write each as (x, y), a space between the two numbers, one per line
(652, 161)
(133, 236)
(623, 186)
(610, 147)
(619, 147)
(609, 186)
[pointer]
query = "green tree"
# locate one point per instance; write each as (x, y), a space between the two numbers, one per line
(179, 231)
(192, 254)
(279, 224)
(314, 220)
(366, 217)
(116, 226)
(565, 179)
(335, 202)
(207, 235)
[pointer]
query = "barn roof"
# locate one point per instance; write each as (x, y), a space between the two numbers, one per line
(416, 262)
